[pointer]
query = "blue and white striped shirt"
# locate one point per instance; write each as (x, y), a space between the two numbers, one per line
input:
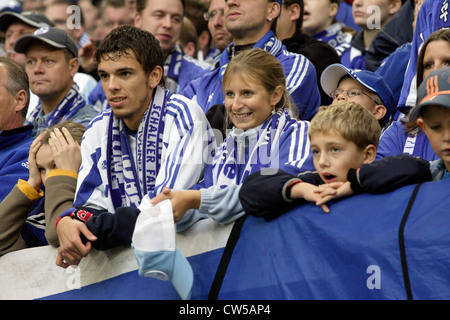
(187, 143)
(301, 79)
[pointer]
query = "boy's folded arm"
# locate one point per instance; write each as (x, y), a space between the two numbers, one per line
(262, 195)
(389, 174)
(268, 195)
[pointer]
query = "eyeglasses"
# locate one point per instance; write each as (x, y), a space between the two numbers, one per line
(351, 93)
(211, 14)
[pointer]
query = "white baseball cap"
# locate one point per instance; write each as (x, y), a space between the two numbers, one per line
(155, 250)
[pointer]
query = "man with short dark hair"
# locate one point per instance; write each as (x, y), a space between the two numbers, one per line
(164, 19)
(252, 24)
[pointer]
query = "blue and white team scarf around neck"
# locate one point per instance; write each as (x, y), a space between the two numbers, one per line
(66, 109)
(130, 182)
(245, 152)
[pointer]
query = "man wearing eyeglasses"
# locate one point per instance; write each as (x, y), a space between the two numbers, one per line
(252, 25)
(216, 25)
(361, 86)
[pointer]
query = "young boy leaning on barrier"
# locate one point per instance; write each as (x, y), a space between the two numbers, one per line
(344, 139)
(433, 116)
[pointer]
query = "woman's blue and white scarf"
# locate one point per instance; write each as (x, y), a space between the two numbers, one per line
(67, 108)
(245, 152)
(130, 182)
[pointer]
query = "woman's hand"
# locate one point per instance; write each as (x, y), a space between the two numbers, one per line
(182, 201)
(66, 151)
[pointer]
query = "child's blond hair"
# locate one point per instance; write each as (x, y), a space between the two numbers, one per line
(75, 129)
(351, 120)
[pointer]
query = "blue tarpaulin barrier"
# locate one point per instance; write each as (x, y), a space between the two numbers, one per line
(388, 246)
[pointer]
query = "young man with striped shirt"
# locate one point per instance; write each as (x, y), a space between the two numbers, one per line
(149, 138)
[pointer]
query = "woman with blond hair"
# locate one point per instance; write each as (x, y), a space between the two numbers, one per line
(265, 135)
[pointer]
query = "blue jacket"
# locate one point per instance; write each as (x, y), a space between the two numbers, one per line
(395, 141)
(301, 79)
(355, 58)
(180, 69)
(14, 148)
(396, 63)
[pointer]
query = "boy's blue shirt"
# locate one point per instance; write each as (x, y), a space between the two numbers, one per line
(14, 147)
(438, 170)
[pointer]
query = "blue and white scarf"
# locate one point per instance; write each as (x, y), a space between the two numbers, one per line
(130, 182)
(172, 66)
(66, 109)
(243, 153)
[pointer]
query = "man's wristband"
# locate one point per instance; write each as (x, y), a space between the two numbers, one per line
(79, 214)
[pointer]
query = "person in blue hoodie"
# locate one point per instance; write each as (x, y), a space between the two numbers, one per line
(252, 24)
(15, 138)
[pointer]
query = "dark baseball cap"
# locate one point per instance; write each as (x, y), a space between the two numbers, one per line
(433, 91)
(30, 18)
(54, 37)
